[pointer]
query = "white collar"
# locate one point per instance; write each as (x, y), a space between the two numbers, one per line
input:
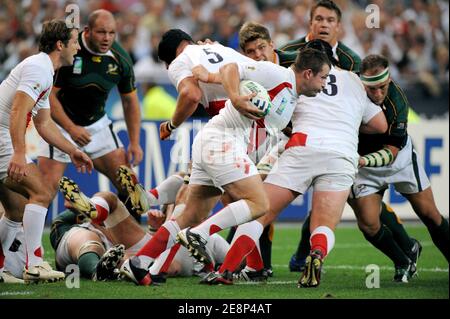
(83, 39)
(334, 48)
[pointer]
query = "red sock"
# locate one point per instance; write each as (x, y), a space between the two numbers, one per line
(254, 260)
(319, 242)
(238, 251)
(102, 214)
(155, 246)
(169, 259)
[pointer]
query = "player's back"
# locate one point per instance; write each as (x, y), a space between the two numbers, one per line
(34, 76)
(331, 120)
(212, 57)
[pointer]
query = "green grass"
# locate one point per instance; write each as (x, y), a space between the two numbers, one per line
(344, 276)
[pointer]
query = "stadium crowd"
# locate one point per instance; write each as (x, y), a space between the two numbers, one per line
(413, 34)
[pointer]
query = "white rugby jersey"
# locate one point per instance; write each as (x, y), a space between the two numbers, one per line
(212, 57)
(331, 120)
(279, 83)
(34, 76)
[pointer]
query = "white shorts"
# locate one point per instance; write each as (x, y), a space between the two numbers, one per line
(300, 167)
(103, 141)
(62, 256)
(6, 151)
(406, 174)
(219, 158)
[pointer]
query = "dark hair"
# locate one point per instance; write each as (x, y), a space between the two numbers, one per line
(52, 32)
(309, 58)
(322, 46)
(373, 61)
(252, 31)
(169, 43)
(330, 5)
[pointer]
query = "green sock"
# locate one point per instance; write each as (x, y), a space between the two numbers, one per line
(304, 246)
(440, 236)
(384, 241)
(265, 243)
(391, 220)
(88, 263)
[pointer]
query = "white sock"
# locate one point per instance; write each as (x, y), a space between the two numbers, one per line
(166, 192)
(153, 248)
(233, 214)
(33, 227)
(8, 231)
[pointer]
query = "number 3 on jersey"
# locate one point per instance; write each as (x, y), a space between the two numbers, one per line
(215, 57)
(331, 88)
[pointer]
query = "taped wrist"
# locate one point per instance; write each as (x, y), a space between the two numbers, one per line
(379, 158)
(170, 126)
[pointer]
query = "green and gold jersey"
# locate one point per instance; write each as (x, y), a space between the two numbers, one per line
(85, 85)
(347, 58)
(395, 108)
(286, 58)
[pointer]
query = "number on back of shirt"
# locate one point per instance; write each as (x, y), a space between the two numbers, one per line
(214, 57)
(331, 89)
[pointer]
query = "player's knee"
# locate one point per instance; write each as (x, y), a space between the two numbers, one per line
(369, 229)
(110, 198)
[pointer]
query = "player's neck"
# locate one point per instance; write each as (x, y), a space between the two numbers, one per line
(55, 57)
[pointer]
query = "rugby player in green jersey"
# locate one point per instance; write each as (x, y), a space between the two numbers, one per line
(78, 101)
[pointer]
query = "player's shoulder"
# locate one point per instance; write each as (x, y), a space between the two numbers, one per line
(294, 45)
(121, 54)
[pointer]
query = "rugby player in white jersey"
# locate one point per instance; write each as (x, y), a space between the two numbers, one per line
(23, 191)
(322, 154)
(220, 160)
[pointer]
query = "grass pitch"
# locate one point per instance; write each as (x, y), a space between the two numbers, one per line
(344, 276)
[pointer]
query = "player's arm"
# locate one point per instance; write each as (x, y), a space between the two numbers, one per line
(189, 95)
(376, 125)
(48, 130)
(202, 74)
(383, 157)
(230, 76)
(22, 105)
(78, 133)
(132, 114)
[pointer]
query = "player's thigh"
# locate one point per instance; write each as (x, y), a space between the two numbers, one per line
(424, 205)
(201, 199)
(279, 198)
(83, 241)
(367, 210)
(13, 203)
(52, 171)
(327, 208)
(249, 188)
(32, 186)
(127, 232)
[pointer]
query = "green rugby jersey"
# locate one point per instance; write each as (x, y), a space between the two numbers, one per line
(286, 58)
(85, 85)
(395, 108)
(347, 58)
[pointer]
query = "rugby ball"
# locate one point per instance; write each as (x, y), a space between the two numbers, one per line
(262, 98)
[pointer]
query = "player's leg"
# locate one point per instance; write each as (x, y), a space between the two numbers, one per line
(326, 212)
(367, 210)
(52, 170)
(34, 215)
(200, 201)
(425, 207)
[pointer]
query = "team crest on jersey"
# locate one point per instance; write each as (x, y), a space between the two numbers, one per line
(112, 69)
(96, 59)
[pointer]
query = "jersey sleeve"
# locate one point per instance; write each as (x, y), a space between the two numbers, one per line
(397, 131)
(127, 83)
(180, 69)
(370, 110)
(265, 73)
(34, 84)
